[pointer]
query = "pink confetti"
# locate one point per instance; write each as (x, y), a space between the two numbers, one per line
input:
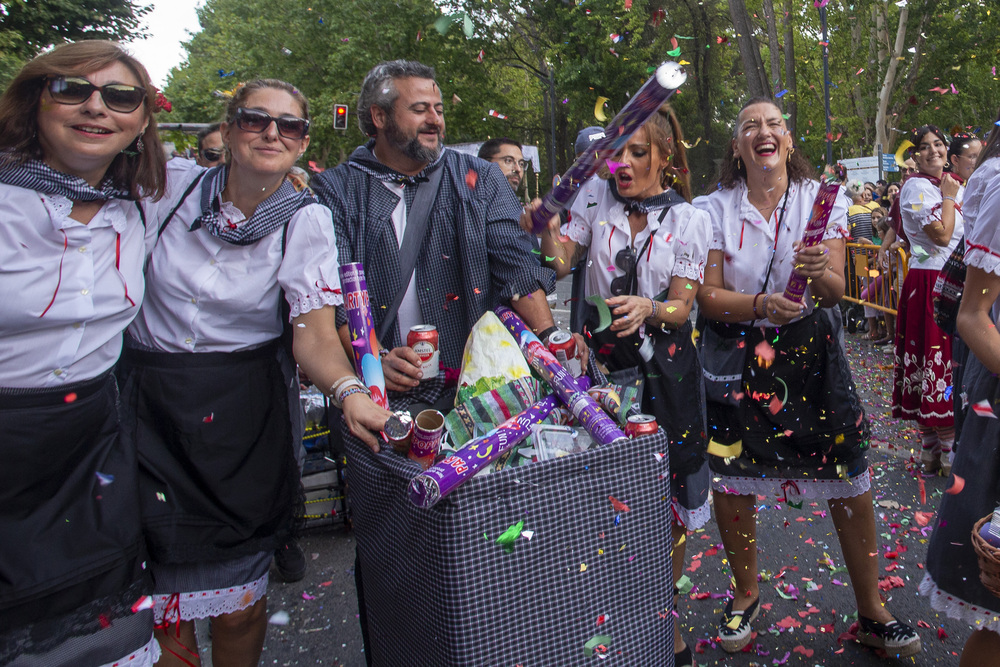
(209, 418)
(615, 166)
(306, 596)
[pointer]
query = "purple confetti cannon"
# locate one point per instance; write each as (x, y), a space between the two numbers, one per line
(667, 78)
(442, 478)
(813, 235)
(361, 327)
(601, 428)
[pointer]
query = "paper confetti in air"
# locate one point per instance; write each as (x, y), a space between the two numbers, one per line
(984, 409)
(599, 109)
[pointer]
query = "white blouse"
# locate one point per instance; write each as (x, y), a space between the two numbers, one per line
(748, 241)
(68, 290)
(205, 294)
(920, 205)
(976, 190)
(679, 246)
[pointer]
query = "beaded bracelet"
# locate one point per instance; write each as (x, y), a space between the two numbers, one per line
(352, 390)
(652, 316)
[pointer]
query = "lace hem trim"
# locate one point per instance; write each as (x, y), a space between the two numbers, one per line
(957, 608)
(304, 304)
(577, 233)
(206, 604)
(982, 259)
(144, 657)
(793, 489)
(689, 270)
(692, 519)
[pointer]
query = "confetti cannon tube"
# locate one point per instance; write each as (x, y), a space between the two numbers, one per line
(361, 326)
(601, 428)
(815, 229)
(442, 478)
(665, 81)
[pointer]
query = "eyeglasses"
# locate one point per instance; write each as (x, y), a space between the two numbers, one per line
(252, 120)
(624, 260)
(212, 154)
(118, 97)
(511, 162)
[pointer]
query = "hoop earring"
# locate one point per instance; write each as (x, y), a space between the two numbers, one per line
(791, 151)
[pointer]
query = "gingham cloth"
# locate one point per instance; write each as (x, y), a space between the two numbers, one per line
(474, 255)
(440, 592)
(38, 176)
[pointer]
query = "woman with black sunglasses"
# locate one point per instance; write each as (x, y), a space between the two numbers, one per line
(78, 151)
(799, 430)
(209, 385)
(647, 248)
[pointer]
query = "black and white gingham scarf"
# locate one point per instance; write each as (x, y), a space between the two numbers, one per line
(666, 198)
(271, 213)
(40, 177)
(363, 158)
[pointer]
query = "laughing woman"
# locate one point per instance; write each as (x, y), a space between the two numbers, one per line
(78, 149)
(209, 387)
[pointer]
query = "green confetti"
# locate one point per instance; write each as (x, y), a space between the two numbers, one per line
(674, 52)
(598, 640)
(684, 584)
(603, 312)
(506, 540)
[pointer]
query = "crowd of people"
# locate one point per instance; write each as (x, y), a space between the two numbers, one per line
(157, 315)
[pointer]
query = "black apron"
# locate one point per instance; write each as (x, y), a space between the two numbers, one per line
(72, 553)
(217, 474)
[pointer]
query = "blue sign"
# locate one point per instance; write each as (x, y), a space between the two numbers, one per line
(889, 162)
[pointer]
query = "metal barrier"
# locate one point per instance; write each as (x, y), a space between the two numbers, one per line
(870, 284)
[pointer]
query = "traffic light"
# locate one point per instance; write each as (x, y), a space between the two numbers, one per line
(340, 116)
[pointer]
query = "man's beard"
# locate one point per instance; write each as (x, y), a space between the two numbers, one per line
(410, 146)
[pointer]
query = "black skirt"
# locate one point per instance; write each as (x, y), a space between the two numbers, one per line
(72, 556)
(216, 463)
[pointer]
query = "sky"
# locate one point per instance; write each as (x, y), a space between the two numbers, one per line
(168, 25)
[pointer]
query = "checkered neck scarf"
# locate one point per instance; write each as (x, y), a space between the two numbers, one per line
(272, 213)
(40, 177)
(363, 158)
(666, 198)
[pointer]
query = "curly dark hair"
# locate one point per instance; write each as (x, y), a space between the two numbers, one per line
(732, 174)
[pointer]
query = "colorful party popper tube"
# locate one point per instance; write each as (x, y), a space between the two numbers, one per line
(361, 327)
(667, 78)
(599, 425)
(443, 477)
(815, 230)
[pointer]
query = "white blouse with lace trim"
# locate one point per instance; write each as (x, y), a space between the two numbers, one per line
(982, 241)
(205, 294)
(793, 488)
(920, 205)
(679, 248)
(979, 618)
(205, 604)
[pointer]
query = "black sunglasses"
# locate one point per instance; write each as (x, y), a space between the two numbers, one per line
(624, 260)
(212, 154)
(252, 120)
(118, 97)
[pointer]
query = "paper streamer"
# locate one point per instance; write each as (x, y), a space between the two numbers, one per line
(667, 78)
(599, 425)
(599, 108)
(603, 312)
(901, 152)
(433, 484)
(361, 326)
(813, 235)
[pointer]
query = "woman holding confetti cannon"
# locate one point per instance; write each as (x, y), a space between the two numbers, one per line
(209, 388)
(799, 430)
(930, 209)
(639, 221)
(79, 149)
(952, 579)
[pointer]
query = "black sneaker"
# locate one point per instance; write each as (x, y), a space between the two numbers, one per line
(897, 639)
(290, 562)
(734, 628)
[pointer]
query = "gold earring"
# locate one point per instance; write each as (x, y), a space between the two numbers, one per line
(790, 152)
(739, 164)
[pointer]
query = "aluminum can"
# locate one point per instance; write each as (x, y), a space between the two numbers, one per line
(562, 345)
(425, 444)
(423, 338)
(640, 425)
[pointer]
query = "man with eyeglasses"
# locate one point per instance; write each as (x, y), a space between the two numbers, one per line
(211, 151)
(509, 155)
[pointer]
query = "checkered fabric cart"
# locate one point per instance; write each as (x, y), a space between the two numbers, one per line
(441, 592)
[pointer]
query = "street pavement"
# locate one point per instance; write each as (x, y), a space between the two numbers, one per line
(807, 601)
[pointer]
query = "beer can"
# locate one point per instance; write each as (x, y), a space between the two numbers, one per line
(423, 338)
(398, 430)
(640, 425)
(562, 345)
(428, 429)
